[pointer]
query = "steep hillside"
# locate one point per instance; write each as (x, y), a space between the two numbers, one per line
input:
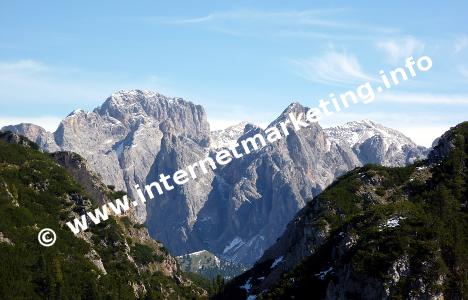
(376, 233)
(115, 260)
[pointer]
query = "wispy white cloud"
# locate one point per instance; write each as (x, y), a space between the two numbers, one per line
(333, 68)
(291, 23)
(311, 17)
(29, 82)
(461, 43)
(23, 65)
(399, 49)
(424, 98)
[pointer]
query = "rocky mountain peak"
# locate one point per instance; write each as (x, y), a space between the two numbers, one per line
(295, 108)
(31, 129)
(124, 98)
(76, 112)
(137, 106)
(121, 138)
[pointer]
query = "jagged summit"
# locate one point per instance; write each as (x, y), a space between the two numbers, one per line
(132, 106)
(125, 97)
(76, 112)
(294, 107)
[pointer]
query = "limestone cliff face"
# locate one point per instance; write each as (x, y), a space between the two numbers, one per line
(171, 216)
(237, 211)
(254, 197)
(121, 138)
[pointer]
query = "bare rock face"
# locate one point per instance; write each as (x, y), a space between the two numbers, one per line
(121, 138)
(171, 216)
(254, 197)
(237, 211)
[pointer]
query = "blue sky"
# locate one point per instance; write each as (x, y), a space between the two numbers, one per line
(242, 60)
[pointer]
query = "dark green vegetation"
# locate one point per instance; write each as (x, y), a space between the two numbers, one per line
(212, 286)
(114, 260)
(391, 233)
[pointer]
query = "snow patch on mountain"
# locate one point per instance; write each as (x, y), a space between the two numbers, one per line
(276, 262)
(235, 243)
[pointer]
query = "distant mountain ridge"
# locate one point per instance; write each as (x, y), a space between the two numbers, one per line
(239, 210)
(377, 144)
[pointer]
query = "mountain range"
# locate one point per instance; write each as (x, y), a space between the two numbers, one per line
(376, 233)
(235, 212)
